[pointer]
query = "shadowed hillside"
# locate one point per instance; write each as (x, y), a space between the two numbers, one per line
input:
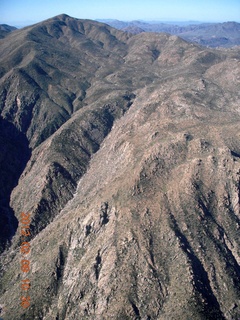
(5, 29)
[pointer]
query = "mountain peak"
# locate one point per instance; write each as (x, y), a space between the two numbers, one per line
(61, 17)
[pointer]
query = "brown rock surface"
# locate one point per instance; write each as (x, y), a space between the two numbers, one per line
(133, 178)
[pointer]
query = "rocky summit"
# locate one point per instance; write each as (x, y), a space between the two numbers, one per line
(120, 175)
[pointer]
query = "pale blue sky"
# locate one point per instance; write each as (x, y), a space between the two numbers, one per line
(19, 12)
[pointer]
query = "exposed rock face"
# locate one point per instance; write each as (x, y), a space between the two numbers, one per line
(132, 174)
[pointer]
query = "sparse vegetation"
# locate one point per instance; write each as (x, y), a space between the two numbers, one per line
(125, 150)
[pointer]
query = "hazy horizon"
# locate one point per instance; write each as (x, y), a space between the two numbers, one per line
(22, 24)
(26, 12)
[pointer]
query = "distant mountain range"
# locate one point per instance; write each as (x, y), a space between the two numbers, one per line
(225, 34)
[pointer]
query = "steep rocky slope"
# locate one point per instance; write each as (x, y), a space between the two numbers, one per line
(129, 166)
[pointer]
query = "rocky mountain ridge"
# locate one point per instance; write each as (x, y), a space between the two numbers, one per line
(125, 151)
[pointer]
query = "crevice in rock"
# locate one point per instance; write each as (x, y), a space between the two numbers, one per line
(235, 154)
(98, 265)
(151, 249)
(88, 230)
(104, 219)
(59, 269)
(61, 262)
(136, 311)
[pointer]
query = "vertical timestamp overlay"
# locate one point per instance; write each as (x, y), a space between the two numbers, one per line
(25, 249)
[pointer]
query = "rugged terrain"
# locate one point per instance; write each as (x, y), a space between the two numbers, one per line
(125, 150)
